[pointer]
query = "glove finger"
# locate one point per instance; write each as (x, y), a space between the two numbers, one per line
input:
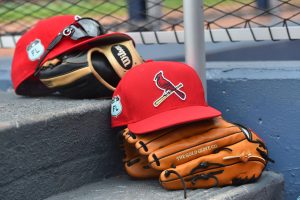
(72, 77)
(156, 140)
(129, 152)
(138, 167)
(194, 147)
(102, 69)
(121, 57)
(130, 137)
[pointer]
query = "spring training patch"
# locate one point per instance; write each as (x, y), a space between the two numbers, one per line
(168, 87)
(116, 106)
(35, 50)
(197, 151)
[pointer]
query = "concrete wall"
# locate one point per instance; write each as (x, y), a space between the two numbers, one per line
(5, 82)
(264, 96)
(228, 51)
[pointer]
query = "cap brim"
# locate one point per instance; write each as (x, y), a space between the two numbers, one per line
(106, 39)
(172, 118)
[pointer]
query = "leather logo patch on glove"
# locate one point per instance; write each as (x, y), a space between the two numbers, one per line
(195, 152)
(122, 55)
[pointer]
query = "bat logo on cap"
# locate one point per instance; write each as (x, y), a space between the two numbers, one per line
(168, 87)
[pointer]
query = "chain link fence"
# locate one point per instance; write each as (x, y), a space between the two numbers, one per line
(225, 20)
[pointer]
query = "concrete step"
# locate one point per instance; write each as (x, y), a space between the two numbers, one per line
(269, 187)
(50, 145)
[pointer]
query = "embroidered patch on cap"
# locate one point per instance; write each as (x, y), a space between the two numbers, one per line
(35, 50)
(116, 106)
(168, 88)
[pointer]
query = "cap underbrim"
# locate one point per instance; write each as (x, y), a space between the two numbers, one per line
(172, 118)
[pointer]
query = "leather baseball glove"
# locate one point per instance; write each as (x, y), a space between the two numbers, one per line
(202, 154)
(136, 165)
(89, 73)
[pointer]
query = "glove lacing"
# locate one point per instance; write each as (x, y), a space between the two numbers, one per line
(131, 135)
(203, 176)
(204, 165)
(133, 161)
(206, 177)
(168, 172)
(248, 135)
(261, 152)
(264, 155)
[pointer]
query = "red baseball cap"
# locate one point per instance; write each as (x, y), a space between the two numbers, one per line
(157, 95)
(31, 46)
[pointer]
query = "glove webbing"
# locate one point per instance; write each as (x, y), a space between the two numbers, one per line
(261, 144)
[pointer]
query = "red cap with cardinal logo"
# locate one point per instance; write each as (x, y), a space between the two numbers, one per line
(32, 45)
(157, 95)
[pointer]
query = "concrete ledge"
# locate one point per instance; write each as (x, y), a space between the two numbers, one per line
(255, 70)
(269, 186)
(50, 145)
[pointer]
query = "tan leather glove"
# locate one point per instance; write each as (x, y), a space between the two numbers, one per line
(202, 154)
(90, 72)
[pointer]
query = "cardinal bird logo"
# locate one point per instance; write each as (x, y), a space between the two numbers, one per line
(168, 87)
